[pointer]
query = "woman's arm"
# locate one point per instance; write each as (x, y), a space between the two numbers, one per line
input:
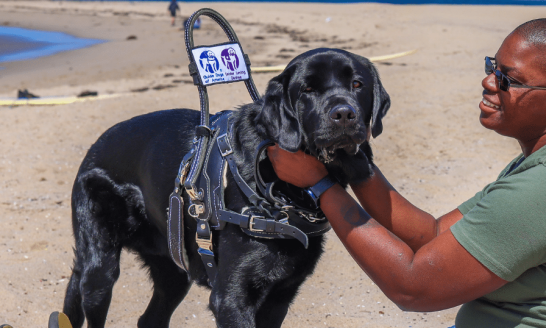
(411, 224)
(414, 226)
(424, 269)
(440, 275)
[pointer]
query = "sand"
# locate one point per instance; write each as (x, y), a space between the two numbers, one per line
(433, 149)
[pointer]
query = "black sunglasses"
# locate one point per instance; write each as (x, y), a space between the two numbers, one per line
(505, 82)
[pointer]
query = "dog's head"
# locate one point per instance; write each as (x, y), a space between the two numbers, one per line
(326, 102)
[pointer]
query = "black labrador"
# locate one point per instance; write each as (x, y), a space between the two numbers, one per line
(326, 102)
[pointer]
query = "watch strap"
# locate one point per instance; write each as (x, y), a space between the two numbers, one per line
(320, 187)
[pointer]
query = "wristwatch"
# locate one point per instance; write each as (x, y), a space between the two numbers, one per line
(319, 188)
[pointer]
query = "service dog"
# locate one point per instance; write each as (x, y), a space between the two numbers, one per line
(326, 102)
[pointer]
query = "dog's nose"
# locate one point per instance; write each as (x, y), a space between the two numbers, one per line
(343, 115)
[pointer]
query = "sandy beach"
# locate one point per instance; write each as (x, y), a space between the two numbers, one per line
(433, 148)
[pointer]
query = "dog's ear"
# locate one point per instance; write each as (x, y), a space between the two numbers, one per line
(381, 99)
(278, 118)
(381, 103)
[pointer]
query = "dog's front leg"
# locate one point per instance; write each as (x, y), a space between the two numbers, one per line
(252, 296)
(241, 285)
(232, 310)
(233, 300)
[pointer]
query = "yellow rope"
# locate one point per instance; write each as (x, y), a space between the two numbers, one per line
(266, 69)
(52, 100)
(70, 100)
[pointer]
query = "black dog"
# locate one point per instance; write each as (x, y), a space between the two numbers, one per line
(322, 103)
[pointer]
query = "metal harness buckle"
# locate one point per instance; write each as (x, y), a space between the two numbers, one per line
(251, 222)
(225, 142)
(205, 244)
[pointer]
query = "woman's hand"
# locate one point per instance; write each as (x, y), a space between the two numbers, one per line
(300, 169)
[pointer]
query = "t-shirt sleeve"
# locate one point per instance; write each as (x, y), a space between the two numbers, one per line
(504, 225)
(469, 204)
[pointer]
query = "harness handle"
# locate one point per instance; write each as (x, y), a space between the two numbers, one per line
(206, 69)
(230, 33)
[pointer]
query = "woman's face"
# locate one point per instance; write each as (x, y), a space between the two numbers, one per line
(519, 113)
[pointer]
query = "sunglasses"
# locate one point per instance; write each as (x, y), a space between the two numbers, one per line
(505, 82)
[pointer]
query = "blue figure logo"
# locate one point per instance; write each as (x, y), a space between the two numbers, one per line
(208, 61)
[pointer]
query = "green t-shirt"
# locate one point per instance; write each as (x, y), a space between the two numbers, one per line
(504, 227)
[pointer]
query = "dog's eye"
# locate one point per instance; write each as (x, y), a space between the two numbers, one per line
(307, 89)
(357, 84)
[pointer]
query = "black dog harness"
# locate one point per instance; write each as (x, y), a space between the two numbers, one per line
(274, 210)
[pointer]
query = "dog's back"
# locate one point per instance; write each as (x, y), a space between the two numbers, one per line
(119, 199)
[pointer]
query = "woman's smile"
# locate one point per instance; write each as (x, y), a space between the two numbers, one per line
(489, 104)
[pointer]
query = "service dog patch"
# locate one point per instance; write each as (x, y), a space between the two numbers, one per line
(220, 63)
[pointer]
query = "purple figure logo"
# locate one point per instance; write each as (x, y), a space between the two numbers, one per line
(230, 59)
(208, 61)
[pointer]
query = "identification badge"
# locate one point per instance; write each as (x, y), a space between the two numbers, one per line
(220, 63)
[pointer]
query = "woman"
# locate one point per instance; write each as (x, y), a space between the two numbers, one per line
(488, 253)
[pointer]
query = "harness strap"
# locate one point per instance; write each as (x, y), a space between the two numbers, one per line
(261, 224)
(202, 172)
(262, 147)
(203, 238)
(200, 199)
(175, 226)
(176, 231)
(227, 152)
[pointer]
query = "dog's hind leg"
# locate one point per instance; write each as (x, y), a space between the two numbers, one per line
(73, 299)
(96, 284)
(171, 285)
(104, 214)
(89, 292)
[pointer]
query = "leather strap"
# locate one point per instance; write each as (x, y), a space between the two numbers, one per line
(264, 188)
(225, 148)
(207, 257)
(203, 237)
(261, 226)
(176, 231)
(201, 204)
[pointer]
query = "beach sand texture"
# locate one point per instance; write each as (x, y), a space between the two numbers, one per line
(433, 149)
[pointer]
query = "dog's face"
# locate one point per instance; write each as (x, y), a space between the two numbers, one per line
(326, 102)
